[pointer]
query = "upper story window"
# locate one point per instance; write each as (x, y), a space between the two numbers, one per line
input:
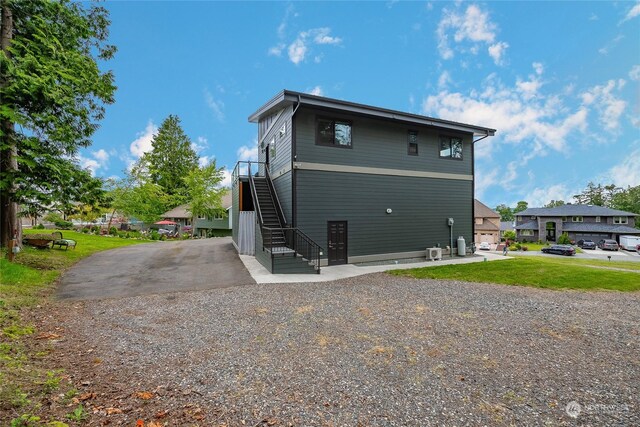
(533, 217)
(597, 219)
(272, 148)
(620, 220)
(519, 218)
(479, 221)
(283, 131)
(576, 219)
(412, 143)
(451, 147)
(336, 133)
(564, 219)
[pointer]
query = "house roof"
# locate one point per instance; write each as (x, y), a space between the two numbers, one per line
(486, 226)
(182, 211)
(574, 210)
(483, 211)
(286, 98)
(506, 225)
(599, 228)
(531, 225)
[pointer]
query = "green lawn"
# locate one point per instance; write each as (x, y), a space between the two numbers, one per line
(561, 273)
(25, 283)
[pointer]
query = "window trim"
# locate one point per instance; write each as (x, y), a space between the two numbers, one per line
(581, 218)
(333, 120)
(598, 219)
(409, 143)
(621, 222)
(528, 233)
(450, 156)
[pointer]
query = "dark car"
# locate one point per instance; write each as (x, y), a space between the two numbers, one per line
(586, 244)
(608, 244)
(567, 250)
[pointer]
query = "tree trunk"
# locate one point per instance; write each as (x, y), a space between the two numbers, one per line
(9, 226)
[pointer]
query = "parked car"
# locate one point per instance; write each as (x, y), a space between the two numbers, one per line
(484, 246)
(567, 250)
(608, 244)
(586, 244)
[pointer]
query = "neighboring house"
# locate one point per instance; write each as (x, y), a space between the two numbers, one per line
(578, 221)
(339, 182)
(182, 216)
(506, 226)
(486, 223)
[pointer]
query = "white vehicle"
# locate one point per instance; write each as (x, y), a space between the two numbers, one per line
(484, 246)
(629, 243)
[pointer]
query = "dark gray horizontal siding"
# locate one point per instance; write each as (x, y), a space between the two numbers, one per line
(262, 255)
(379, 143)
(283, 144)
(289, 264)
(282, 185)
(420, 208)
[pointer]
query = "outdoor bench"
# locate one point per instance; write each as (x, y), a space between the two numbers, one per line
(60, 241)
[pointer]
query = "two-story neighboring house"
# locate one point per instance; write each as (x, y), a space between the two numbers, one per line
(578, 221)
(339, 182)
(486, 224)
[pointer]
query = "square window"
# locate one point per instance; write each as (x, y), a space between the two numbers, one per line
(451, 147)
(576, 219)
(597, 219)
(336, 133)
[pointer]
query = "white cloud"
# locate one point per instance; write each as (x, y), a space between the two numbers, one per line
(626, 173)
(633, 12)
(538, 67)
(142, 143)
(317, 91)
(246, 153)
(593, 17)
(226, 179)
(470, 30)
(444, 80)
(634, 74)
(321, 36)
(101, 155)
(496, 51)
(539, 197)
(613, 43)
(540, 123)
(200, 144)
(276, 50)
(297, 50)
(216, 105)
(98, 160)
(602, 98)
(204, 161)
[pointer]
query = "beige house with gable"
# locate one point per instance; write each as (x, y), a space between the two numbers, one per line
(486, 226)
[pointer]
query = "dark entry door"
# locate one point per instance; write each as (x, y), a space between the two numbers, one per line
(337, 242)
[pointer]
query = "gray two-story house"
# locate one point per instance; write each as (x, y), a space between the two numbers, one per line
(578, 221)
(338, 182)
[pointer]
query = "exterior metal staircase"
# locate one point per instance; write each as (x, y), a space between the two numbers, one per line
(291, 251)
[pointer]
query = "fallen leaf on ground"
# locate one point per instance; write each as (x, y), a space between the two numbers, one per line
(47, 336)
(154, 424)
(162, 414)
(144, 395)
(111, 411)
(87, 396)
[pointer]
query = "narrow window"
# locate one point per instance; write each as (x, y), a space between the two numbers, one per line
(576, 219)
(451, 147)
(272, 149)
(335, 133)
(283, 131)
(412, 143)
(597, 219)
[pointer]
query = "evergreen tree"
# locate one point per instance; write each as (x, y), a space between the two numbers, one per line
(53, 95)
(506, 214)
(171, 159)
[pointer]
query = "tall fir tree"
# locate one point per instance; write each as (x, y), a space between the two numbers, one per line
(53, 95)
(171, 159)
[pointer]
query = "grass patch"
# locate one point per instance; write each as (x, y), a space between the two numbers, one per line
(25, 283)
(533, 271)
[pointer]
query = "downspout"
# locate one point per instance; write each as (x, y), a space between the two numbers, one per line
(473, 202)
(294, 198)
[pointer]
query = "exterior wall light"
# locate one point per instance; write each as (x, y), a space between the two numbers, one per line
(389, 210)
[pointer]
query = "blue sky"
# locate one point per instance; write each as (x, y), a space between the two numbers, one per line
(560, 81)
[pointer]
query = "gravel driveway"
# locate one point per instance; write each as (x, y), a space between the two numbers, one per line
(375, 350)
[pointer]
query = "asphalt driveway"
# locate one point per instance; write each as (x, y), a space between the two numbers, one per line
(156, 268)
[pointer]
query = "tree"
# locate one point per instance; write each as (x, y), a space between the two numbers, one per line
(204, 194)
(597, 195)
(171, 159)
(137, 197)
(506, 214)
(627, 200)
(53, 95)
(554, 204)
(520, 206)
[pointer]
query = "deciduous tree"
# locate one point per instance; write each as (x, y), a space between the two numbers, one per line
(204, 193)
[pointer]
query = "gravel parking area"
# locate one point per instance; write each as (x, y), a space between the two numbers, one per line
(375, 350)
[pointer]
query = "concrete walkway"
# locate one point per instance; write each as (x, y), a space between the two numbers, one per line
(261, 275)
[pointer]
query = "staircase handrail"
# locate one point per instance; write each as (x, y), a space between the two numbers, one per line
(254, 194)
(283, 220)
(313, 255)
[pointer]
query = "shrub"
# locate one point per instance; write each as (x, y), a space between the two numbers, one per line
(564, 239)
(524, 248)
(114, 231)
(154, 235)
(509, 235)
(95, 229)
(518, 246)
(85, 230)
(39, 227)
(63, 225)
